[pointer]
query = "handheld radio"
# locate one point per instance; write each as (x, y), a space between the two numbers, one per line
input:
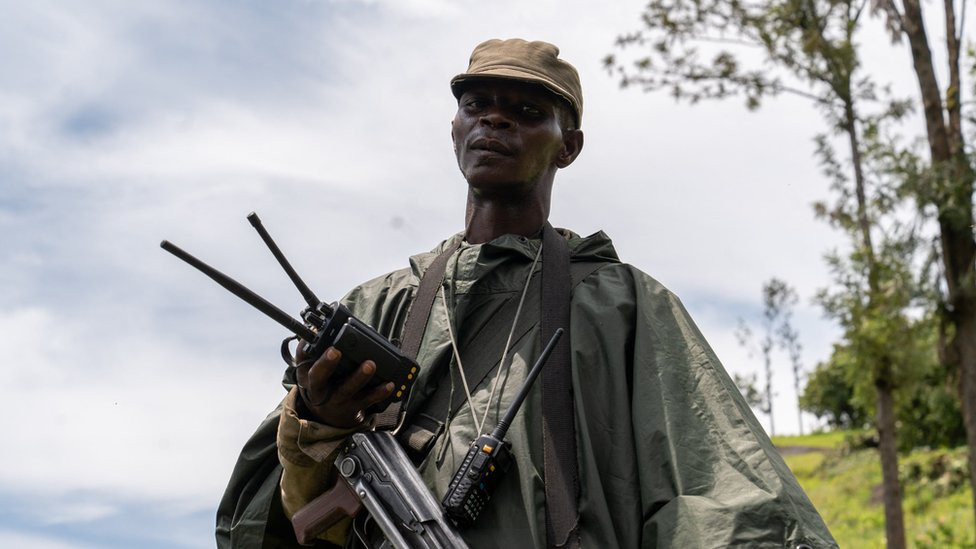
(325, 325)
(489, 457)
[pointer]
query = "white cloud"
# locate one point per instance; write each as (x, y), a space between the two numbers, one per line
(30, 540)
(128, 377)
(136, 416)
(61, 513)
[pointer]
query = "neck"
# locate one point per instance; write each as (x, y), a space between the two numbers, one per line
(487, 218)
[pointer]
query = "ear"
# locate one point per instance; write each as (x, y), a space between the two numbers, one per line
(572, 145)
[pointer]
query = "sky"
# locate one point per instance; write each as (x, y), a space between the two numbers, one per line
(129, 381)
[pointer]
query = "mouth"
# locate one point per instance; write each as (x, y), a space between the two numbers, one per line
(490, 145)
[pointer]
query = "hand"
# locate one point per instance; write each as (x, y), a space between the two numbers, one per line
(339, 401)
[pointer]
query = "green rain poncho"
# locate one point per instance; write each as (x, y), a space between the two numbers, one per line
(670, 455)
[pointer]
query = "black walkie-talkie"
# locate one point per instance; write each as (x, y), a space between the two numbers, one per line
(325, 325)
(488, 457)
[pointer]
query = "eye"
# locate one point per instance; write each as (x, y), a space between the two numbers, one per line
(532, 111)
(474, 103)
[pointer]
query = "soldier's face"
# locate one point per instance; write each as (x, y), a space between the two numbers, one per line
(507, 136)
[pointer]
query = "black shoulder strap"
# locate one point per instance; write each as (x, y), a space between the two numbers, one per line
(558, 418)
(416, 324)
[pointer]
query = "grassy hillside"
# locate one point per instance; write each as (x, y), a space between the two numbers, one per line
(845, 486)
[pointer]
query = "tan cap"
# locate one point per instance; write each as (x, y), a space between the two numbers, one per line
(533, 62)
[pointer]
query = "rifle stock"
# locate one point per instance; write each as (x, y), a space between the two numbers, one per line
(377, 474)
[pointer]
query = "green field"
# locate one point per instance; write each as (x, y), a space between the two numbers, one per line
(845, 486)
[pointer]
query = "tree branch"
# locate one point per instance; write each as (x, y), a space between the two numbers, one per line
(860, 9)
(807, 95)
(723, 40)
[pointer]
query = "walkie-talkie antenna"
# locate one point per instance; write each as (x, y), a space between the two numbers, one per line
(242, 292)
(513, 408)
(303, 288)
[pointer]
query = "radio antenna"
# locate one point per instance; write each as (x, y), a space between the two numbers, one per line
(303, 288)
(242, 292)
(502, 427)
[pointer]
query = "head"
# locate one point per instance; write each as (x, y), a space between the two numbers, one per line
(517, 123)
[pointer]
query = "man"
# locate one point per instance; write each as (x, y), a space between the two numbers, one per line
(660, 451)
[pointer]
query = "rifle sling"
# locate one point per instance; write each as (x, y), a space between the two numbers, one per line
(558, 417)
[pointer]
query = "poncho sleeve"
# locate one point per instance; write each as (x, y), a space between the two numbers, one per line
(709, 475)
(671, 456)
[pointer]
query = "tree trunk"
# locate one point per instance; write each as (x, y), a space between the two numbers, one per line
(888, 448)
(959, 252)
(799, 410)
(964, 343)
(954, 203)
(952, 104)
(914, 27)
(767, 348)
(885, 408)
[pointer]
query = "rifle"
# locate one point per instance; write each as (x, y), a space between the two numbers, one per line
(376, 473)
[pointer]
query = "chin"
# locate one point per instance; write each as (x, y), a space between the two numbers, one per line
(478, 177)
(504, 191)
(493, 181)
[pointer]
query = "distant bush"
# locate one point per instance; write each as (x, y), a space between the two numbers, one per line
(829, 395)
(942, 535)
(929, 415)
(939, 472)
(859, 440)
(841, 391)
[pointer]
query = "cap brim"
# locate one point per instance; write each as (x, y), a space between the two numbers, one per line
(460, 82)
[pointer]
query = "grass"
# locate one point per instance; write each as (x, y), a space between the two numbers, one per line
(833, 439)
(846, 489)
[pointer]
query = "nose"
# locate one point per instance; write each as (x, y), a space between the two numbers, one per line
(497, 119)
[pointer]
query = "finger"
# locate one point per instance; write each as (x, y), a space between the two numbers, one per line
(301, 373)
(301, 365)
(323, 368)
(378, 393)
(301, 376)
(359, 418)
(358, 379)
(299, 351)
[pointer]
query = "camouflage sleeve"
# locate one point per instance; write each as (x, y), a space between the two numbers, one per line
(307, 451)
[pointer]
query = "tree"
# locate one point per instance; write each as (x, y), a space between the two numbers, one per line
(948, 190)
(789, 341)
(778, 302)
(926, 408)
(874, 285)
(754, 397)
(830, 393)
(695, 52)
(909, 266)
